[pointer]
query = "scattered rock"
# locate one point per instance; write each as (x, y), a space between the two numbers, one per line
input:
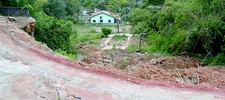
(80, 57)
(132, 67)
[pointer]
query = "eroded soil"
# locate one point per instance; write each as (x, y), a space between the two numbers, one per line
(31, 71)
(178, 69)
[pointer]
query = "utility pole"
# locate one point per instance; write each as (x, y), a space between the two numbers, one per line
(118, 18)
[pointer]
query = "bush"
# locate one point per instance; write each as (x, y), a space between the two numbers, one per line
(186, 29)
(124, 64)
(223, 46)
(106, 31)
(159, 43)
(69, 55)
(55, 33)
(219, 60)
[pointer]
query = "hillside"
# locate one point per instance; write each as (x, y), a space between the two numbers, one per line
(29, 70)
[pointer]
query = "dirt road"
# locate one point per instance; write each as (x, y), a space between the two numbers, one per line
(29, 71)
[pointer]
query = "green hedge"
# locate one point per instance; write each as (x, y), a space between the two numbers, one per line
(106, 31)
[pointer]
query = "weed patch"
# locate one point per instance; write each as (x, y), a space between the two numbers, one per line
(70, 55)
(119, 37)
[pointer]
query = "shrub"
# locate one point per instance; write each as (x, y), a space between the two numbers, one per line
(159, 43)
(185, 29)
(219, 60)
(124, 64)
(223, 46)
(69, 55)
(55, 33)
(106, 31)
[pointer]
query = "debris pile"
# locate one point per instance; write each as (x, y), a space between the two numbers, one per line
(156, 67)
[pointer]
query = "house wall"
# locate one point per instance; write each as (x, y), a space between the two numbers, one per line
(105, 18)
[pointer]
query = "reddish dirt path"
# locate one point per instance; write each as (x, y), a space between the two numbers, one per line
(30, 71)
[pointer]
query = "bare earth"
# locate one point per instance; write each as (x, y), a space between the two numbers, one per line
(30, 71)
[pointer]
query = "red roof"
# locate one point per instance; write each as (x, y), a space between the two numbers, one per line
(105, 12)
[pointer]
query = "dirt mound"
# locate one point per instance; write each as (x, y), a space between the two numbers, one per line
(175, 62)
(157, 67)
(203, 75)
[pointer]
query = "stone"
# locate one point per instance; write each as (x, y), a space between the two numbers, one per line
(132, 67)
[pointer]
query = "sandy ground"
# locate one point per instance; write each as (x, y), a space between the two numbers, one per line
(29, 71)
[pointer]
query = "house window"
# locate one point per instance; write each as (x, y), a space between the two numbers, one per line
(109, 21)
(94, 21)
(101, 21)
(100, 17)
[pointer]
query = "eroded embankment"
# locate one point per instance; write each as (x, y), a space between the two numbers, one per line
(31, 71)
(129, 78)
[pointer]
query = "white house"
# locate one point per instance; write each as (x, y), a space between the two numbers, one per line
(104, 17)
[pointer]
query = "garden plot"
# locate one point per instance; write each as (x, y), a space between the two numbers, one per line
(117, 41)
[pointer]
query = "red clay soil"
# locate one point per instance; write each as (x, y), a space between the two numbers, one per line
(207, 76)
(165, 69)
(142, 74)
(176, 62)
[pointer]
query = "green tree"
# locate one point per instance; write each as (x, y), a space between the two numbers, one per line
(91, 4)
(75, 8)
(141, 22)
(55, 8)
(116, 5)
(195, 26)
(65, 9)
(153, 2)
(55, 33)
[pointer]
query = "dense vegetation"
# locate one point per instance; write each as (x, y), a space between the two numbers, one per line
(51, 29)
(172, 26)
(183, 26)
(55, 18)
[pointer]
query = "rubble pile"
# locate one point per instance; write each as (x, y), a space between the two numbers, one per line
(177, 69)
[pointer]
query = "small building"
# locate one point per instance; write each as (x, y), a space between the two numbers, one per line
(104, 17)
(14, 11)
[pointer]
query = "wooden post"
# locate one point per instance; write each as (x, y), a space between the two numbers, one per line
(139, 49)
(118, 27)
